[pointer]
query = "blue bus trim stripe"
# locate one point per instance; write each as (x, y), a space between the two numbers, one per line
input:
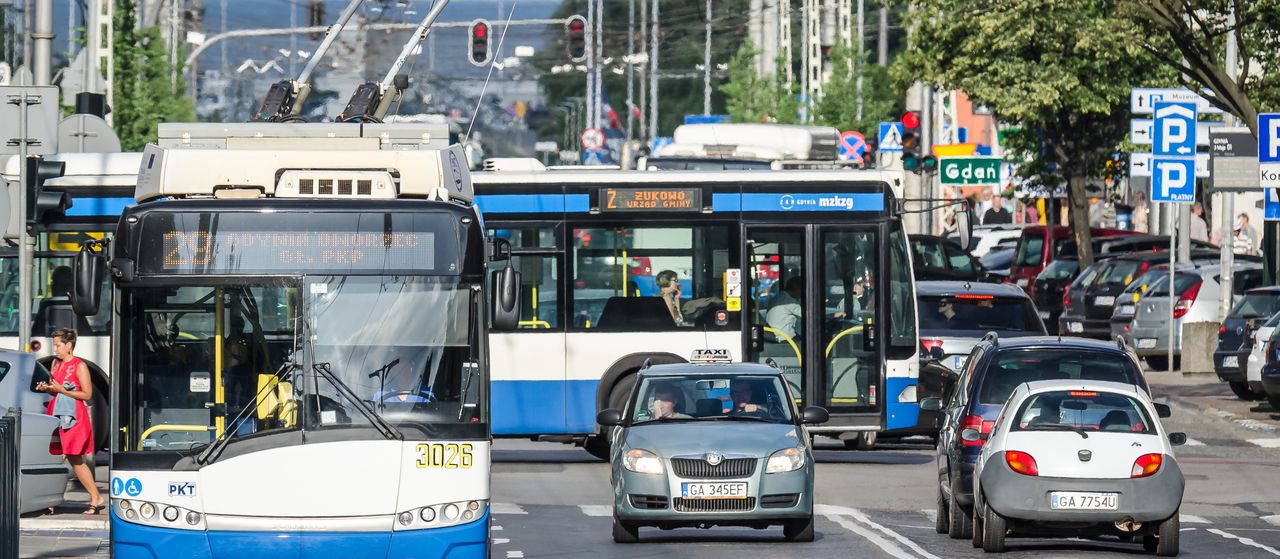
(93, 207)
(533, 203)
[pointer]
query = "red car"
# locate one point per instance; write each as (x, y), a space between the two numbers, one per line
(1036, 250)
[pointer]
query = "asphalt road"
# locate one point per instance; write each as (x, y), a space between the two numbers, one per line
(554, 500)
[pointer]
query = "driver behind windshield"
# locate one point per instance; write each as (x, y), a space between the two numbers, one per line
(743, 395)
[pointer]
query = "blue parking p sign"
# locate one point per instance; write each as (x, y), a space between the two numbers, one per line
(1174, 132)
(1173, 179)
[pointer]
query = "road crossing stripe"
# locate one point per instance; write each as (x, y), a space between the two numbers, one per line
(507, 508)
(495, 527)
(860, 517)
(870, 536)
(1192, 519)
(1270, 442)
(1193, 442)
(596, 510)
(1273, 520)
(500, 541)
(1246, 541)
(515, 554)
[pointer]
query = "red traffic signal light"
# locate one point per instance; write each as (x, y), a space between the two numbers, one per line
(911, 119)
(479, 33)
(575, 31)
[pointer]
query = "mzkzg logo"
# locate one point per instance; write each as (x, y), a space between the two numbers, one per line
(815, 201)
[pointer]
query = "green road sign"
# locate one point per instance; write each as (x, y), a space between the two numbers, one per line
(969, 170)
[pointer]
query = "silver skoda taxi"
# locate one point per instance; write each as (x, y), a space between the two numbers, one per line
(711, 445)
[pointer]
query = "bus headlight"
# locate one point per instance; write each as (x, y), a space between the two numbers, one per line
(428, 514)
(171, 514)
(451, 512)
(442, 515)
(406, 518)
(147, 510)
(785, 460)
(193, 518)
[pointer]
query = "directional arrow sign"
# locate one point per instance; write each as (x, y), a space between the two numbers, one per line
(1142, 100)
(1175, 130)
(1140, 165)
(1141, 131)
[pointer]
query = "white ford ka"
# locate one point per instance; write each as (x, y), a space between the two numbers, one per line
(1079, 459)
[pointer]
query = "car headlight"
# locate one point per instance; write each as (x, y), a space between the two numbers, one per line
(785, 460)
(642, 462)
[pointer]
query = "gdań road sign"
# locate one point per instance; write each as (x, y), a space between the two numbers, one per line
(962, 171)
(1269, 149)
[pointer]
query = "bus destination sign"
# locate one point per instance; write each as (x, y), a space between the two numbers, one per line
(651, 199)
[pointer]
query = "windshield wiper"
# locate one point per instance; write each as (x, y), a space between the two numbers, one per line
(667, 420)
(378, 422)
(1057, 427)
(212, 452)
(731, 417)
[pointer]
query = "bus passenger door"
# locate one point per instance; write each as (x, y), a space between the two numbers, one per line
(775, 310)
(848, 344)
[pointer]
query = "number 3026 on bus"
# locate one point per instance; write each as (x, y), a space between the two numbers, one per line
(448, 456)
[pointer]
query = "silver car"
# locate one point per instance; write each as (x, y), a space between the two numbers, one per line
(43, 475)
(711, 445)
(1195, 300)
(955, 315)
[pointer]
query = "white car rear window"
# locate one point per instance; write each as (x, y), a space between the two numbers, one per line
(1083, 410)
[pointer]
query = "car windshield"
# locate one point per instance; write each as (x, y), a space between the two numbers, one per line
(1013, 367)
(1060, 269)
(1183, 282)
(1083, 410)
(1255, 305)
(976, 312)
(1118, 272)
(1030, 249)
(712, 397)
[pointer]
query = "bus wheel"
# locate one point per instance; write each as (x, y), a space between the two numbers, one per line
(866, 440)
(598, 446)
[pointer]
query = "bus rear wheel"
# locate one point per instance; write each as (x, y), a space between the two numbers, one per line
(598, 444)
(866, 440)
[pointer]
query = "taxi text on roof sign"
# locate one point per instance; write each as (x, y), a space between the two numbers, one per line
(706, 356)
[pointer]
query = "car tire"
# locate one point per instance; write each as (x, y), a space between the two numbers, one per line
(994, 527)
(1243, 392)
(624, 532)
(976, 537)
(961, 523)
(799, 530)
(942, 518)
(1167, 536)
(1158, 362)
(598, 446)
(1274, 400)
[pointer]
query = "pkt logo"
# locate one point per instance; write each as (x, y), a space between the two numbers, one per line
(182, 489)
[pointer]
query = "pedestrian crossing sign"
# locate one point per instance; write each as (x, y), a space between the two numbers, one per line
(890, 138)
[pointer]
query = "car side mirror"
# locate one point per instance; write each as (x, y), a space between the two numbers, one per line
(931, 404)
(1177, 439)
(936, 354)
(814, 415)
(609, 418)
(1163, 411)
(964, 225)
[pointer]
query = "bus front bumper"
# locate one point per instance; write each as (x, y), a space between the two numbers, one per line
(136, 541)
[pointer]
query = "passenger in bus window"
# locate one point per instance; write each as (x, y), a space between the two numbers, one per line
(786, 315)
(669, 288)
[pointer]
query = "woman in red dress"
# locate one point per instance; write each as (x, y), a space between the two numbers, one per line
(70, 376)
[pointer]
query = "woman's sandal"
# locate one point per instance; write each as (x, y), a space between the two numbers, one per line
(95, 509)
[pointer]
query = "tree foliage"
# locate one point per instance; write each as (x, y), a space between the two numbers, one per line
(753, 98)
(838, 106)
(1062, 69)
(1190, 36)
(145, 92)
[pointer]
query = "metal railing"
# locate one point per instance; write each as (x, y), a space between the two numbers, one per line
(10, 472)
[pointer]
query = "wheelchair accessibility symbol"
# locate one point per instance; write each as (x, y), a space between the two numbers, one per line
(133, 487)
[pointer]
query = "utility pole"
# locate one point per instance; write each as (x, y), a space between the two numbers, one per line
(591, 62)
(857, 60)
(653, 73)
(706, 66)
(631, 67)
(1227, 198)
(883, 50)
(783, 25)
(599, 48)
(42, 43)
(223, 29)
(926, 146)
(293, 39)
(645, 73)
(812, 57)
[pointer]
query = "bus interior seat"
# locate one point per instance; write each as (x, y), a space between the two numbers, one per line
(707, 407)
(641, 313)
(56, 312)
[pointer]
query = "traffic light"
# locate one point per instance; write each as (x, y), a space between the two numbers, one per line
(480, 35)
(44, 206)
(912, 160)
(575, 33)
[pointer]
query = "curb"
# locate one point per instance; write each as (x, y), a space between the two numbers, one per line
(59, 524)
(1246, 423)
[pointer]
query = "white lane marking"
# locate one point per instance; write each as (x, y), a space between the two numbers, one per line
(1273, 520)
(1192, 519)
(931, 514)
(1193, 442)
(1246, 541)
(500, 541)
(507, 508)
(1269, 442)
(496, 527)
(596, 510)
(515, 554)
(831, 510)
(1187, 530)
(870, 536)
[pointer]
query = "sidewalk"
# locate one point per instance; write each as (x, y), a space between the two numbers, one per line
(1213, 397)
(67, 532)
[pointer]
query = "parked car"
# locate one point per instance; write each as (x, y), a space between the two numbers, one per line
(1258, 355)
(986, 238)
(1078, 459)
(1050, 284)
(1126, 302)
(1196, 300)
(709, 445)
(1269, 375)
(1037, 248)
(994, 368)
(939, 258)
(43, 474)
(1088, 308)
(1235, 338)
(997, 262)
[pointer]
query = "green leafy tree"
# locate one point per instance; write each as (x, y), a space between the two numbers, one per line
(1061, 69)
(838, 106)
(145, 92)
(753, 98)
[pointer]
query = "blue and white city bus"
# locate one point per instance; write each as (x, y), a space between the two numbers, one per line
(596, 247)
(300, 331)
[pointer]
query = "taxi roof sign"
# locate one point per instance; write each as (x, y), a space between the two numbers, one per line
(710, 356)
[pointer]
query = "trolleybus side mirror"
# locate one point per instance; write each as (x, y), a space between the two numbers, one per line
(964, 225)
(90, 267)
(506, 299)
(757, 338)
(814, 415)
